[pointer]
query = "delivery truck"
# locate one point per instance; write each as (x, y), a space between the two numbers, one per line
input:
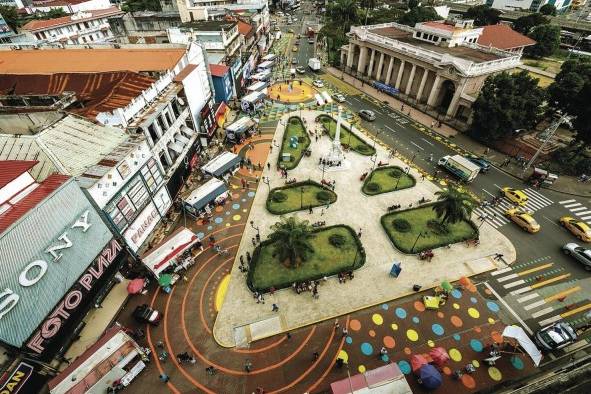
(314, 64)
(459, 166)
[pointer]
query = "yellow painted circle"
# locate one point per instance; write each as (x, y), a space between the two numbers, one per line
(455, 355)
(394, 326)
(430, 343)
(473, 313)
(235, 186)
(220, 292)
(475, 363)
(442, 183)
(244, 210)
(227, 224)
(236, 218)
(453, 145)
(377, 319)
(495, 374)
(456, 306)
(412, 335)
(343, 355)
(491, 320)
(361, 368)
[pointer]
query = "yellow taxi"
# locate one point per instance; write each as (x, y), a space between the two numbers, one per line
(515, 196)
(294, 49)
(579, 228)
(523, 219)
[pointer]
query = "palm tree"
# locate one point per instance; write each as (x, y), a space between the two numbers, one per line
(345, 11)
(292, 240)
(453, 205)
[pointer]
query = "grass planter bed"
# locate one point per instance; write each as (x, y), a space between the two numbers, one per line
(384, 180)
(348, 138)
(403, 236)
(295, 128)
(267, 271)
(289, 198)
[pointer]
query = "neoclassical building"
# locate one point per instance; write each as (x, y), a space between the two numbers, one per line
(439, 66)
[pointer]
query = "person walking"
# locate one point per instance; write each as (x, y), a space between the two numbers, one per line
(359, 233)
(315, 356)
(275, 308)
(164, 378)
(247, 366)
(345, 332)
(383, 352)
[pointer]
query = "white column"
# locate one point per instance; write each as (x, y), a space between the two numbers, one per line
(434, 91)
(453, 104)
(350, 55)
(380, 64)
(389, 73)
(410, 79)
(371, 59)
(422, 85)
(362, 59)
(399, 76)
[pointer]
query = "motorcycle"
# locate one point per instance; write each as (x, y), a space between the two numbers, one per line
(393, 207)
(290, 181)
(319, 224)
(424, 200)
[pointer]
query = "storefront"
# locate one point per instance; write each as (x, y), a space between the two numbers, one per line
(205, 197)
(165, 256)
(240, 129)
(208, 126)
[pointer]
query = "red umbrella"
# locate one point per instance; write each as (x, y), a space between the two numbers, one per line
(417, 361)
(135, 286)
(439, 356)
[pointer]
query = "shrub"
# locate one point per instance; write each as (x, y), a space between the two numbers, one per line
(401, 225)
(279, 196)
(373, 187)
(395, 173)
(437, 227)
(301, 139)
(337, 240)
(364, 149)
(323, 196)
(294, 121)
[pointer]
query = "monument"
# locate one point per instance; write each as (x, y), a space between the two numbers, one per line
(334, 159)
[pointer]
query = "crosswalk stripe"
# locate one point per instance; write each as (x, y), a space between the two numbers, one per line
(535, 204)
(578, 209)
(572, 205)
(540, 196)
(506, 278)
(583, 213)
(501, 271)
(542, 312)
(528, 297)
(567, 201)
(550, 320)
(513, 284)
(534, 305)
(521, 291)
(586, 217)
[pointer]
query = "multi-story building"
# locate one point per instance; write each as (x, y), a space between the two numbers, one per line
(68, 6)
(438, 66)
(198, 10)
(221, 39)
(82, 27)
(144, 27)
(528, 5)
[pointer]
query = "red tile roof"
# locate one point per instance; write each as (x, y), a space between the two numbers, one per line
(244, 28)
(439, 25)
(185, 72)
(503, 37)
(12, 169)
(98, 92)
(20, 209)
(38, 25)
(218, 70)
(54, 3)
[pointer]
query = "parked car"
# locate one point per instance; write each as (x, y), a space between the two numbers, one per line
(516, 196)
(301, 70)
(294, 61)
(523, 219)
(145, 314)
(339, 98)
(577, 227)
(310, 41)
(299, 36)
(367, 115)
(318, 83)
(555, 336)
(579, 253)
(294, 49)
(480, 162)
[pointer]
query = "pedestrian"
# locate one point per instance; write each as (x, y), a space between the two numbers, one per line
(269, 166)
(272, 290)
(486, 150)
(340, 362)
(336, 324)
(254, 242)
(248, 258)
(315, 356)
(345, 332)
(260, 167)
(422, 176)
(383, 352)
(402, 107)
(288, 336)
(275, 308)
(241, 260)
(164, 378)
(322, 212)
(310, 210)
(199, 244)
(359, 233)
(432, 124)
(247, 366)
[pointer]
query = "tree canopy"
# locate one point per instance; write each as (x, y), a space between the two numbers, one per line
(292, 240)
(526, 23)
(419, 14)
(547, 39)
(548, 9)
(483, 15)
(453, 205)
(506, 102)
(141, 5)
(10, 15)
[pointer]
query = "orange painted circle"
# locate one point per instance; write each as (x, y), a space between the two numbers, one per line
(456, 321)
(440, 315)
(487, 291)
(468, 381)
(407, 350)
(200, 222)
(355, 325)
(447, 370)
(235, 196)
(389, 342)
(472, 288)
(372, 333)
(496, 336)
(477, 329)
(219, 208)
(419, 306)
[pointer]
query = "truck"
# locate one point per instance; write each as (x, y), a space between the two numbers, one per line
(460, 167)
(314, 64)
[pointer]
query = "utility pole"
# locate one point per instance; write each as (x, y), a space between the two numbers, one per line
(548, 134)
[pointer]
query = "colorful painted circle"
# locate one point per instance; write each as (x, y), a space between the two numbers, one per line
(385, 307)
(473, 313)
(455, 354)
(394, 326)
(366, 348)
(235, 206)
(457, 337)
(404, 367)
(430, 343)
(349, 340)
(361, 368)
(493, 307)
(218, 220)
(440, 315)
(495, 374)
(385, 358)
(209, 228)
(476, 363)
(245, 210)
(343, 355)
(447, 370)
(389, 342)
(227, 224)
(491, 320)
(437, 329)
(476, 345)
(377, 319)
(407, 350)
(200, 235)
(243, 200)
(228, 213)
(219, 208)
(372, 333)
(456, 306)
(517, 362)
(468, 381)
(455, 293)
(473, 300)
(415, 320)
(412, 335)
(419, 306)
(355, 325)
(400, 313)
(250, 194)
(456, 321)
(236, 218)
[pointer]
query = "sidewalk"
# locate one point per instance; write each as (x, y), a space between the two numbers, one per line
(564, 184)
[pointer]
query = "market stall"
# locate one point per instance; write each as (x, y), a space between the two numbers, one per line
(259, 86)
(240, 129)
(212, 192)
(262, 76)
(386, 379)
(170, 253)
(266, 65)
(269, 58)
(253, 101)
(222, 165)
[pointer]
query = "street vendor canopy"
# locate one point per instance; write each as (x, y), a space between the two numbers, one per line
(257, 86)
(221, 164)
(524, 341)
(265, 65)
(270, 57)
(386, 379)
(241, 125)
(206, 193)
(163, 255)
(262, 76)
(253, 97)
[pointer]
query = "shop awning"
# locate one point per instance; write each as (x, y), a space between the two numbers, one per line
(257, 86)
(241, 125)
(525, 342)
(253, 97)
(221, 164)
(206, 193)
(262, 76)
(269, 57)
(162, 256)
(220, 114)
(265, 65)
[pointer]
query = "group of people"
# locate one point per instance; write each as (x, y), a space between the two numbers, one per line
(344, 276)
(330, 163)
(311, 286)
(426, 255)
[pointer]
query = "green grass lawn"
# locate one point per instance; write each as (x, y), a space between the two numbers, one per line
(383, 177)
(296, 200)
(347, 137)
(295, 128)
(327, 260)
(418, 218)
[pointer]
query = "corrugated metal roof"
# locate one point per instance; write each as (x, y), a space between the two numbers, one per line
(12, 169)
(26, 148)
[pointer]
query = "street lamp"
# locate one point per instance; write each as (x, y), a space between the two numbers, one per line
(267, 181)
(256, 228)
(421, 234)
(413, 158)
(301, 197)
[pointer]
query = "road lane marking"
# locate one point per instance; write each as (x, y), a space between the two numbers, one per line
(502, 301)
(521, 291)
(576, 310)
(497, 186)
(567, 201)
(527, 297)
(563, 293)
(548, 281)
(550, 320)
(534, 305)
(586, 217)
(430, 143)
(550, 220)
(418, 146)
(514, 284)
(578, 209)
(534, 269)
(487, 192)
(572, 205)
(501, 271)
(506, 278)
(390, 128)
(542, 312)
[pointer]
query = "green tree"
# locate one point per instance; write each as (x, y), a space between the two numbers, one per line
(413, 4)
(292, 240)
(506, 102)
(547, 39)
(483, 15)
(582, 110)
(526, 23)
(343, 13)
(419, 14)
(10, 15)
(385, 16)
(51, 14)
(452, 205)
(548, 9)
(141, 5)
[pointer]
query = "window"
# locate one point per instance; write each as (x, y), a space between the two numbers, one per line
(152, 175)
(153, 133)
(168, 118)
(86, 25)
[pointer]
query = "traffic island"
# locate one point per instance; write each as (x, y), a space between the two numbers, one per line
(418, 229)
(294, 91)
(349, 140)
(295, 142)
(299, 196)
(335, 249)
(387, 179)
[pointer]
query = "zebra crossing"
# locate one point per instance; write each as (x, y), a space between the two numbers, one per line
(577, 209)
(495, 215)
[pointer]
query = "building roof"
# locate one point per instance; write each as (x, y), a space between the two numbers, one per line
(55, 3)
(185, 72)
(95, 60)
(97, 92)
(439, 25)
(40, 25)
(20, 208)
(218, 70)
(12, 169)
(245, 29)
(502, 36)
(213, 25)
